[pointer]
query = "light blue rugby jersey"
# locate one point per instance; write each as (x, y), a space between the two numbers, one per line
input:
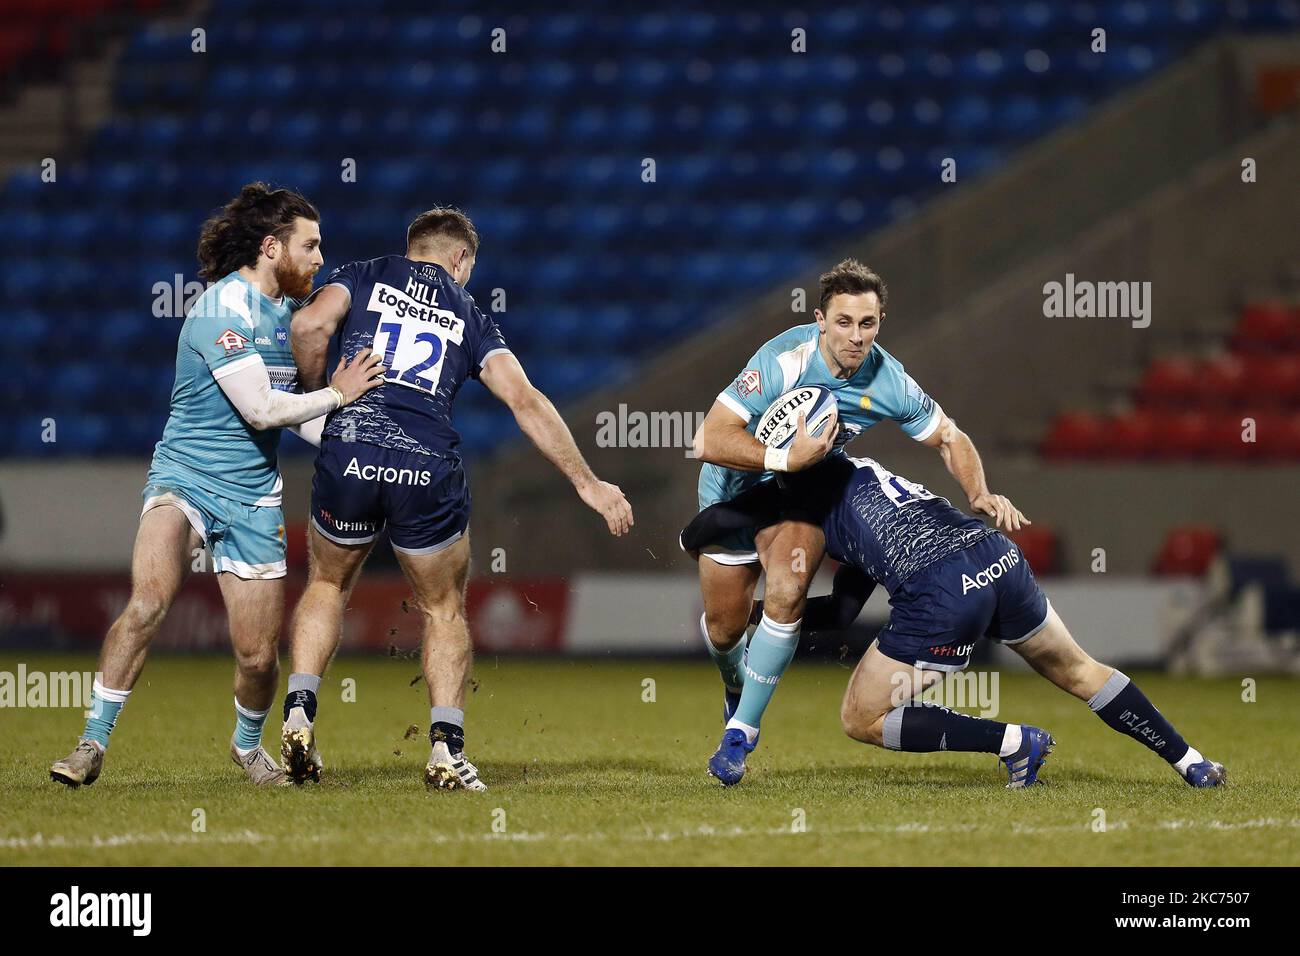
(880, 389)
(206, 443)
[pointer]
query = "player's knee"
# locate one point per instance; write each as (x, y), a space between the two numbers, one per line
(862, 727)
(327, 580)
(260, 664)
(725, 628)
(444, 607)
(144, 614)
(783, 597)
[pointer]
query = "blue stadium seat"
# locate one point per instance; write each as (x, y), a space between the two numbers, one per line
(758, 151)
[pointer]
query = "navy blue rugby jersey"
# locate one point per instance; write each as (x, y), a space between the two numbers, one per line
(890, 527)
(432, 337)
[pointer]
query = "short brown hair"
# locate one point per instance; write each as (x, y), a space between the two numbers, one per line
(232, 238)
(851, 277)
(442, 221)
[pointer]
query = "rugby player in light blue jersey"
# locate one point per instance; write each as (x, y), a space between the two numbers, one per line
(838, 351)
(214, 479)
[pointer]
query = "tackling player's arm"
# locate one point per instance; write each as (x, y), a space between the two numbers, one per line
(538, 419)
(963, 462)
(311, 330)
(248, 386)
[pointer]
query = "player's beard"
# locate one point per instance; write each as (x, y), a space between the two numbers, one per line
(295, 282)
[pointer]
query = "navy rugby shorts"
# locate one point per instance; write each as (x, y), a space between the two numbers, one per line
(359, 489)
(986, 590)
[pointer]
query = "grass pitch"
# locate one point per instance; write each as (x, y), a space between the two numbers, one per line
(582, 770)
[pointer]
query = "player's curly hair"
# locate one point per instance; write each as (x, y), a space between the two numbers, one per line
(851, 277)
(233, 237)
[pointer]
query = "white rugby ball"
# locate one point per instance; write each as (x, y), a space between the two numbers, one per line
(777, 426)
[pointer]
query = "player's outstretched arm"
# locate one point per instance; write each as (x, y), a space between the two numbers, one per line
(538, 419)
(248, 386)
(723, 440)
(963, 462)
(310, 331)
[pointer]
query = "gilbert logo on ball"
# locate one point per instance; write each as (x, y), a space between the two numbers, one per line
(778, 425)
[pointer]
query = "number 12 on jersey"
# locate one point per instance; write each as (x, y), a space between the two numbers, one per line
(412, 357)
(413, 336)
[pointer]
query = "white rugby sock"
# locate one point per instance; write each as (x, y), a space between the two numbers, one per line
(751, 733)
(1192, 756)
(1011, 740)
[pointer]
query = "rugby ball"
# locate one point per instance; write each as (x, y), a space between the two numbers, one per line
(777, 426)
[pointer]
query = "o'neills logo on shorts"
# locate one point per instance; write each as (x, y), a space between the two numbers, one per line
(388, 476)
(991, 573)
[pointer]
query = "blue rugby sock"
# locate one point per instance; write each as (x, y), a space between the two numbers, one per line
(105, 705)
(1125, 708)
(728, 662)
(926, 728)
(303, 689)
(770, 651)
(248, 727)
(448, 725)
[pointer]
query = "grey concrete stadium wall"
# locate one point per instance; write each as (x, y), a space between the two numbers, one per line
(58, 517)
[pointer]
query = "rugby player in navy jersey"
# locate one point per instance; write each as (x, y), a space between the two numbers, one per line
(951, 580)
(391, 460)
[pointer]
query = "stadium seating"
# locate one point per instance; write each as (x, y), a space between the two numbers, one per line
(1041, 546)
(1187, 550)
(37, 37)
(1185, 408)
(763, 157)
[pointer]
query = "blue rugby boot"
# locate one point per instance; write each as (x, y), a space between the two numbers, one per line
(1206, 773)
(728, 761)
(1023, 765)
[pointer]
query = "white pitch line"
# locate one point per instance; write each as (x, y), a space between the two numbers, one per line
(647, 835)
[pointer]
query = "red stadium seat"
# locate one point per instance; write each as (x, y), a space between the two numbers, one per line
(1266, 326)
(1183, 434)
(1075, 435)
(1041, 546)
(1223, 381)
(1134, 435)
(1278, 436)
(1170, 381)
(1272, 380)
(1225, 439)
(1188, 549)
